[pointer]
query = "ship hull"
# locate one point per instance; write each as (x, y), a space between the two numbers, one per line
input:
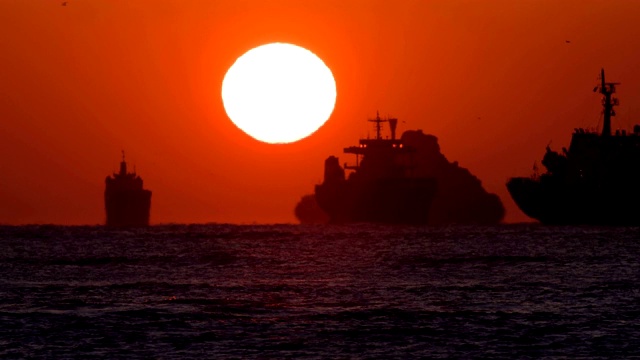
(556, 203)
(387, 201)
(127, 207)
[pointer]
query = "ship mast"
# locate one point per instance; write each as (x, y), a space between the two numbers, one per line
(392, 126)
(608, 102)
(378, 122)
(123, 165)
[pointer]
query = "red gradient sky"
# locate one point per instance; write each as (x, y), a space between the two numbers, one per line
(494, 80)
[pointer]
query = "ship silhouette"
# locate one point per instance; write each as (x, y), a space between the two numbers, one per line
(594, 182)
(126, 202)
(381, 187)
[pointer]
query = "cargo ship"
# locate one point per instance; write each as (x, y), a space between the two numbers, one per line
(594, 182)
(381, 187)
(126, 202)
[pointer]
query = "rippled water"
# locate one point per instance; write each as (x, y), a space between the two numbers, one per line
(318, 292)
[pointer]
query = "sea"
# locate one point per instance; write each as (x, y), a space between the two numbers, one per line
(362, 291)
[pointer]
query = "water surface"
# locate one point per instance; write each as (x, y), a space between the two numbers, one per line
(319, 292)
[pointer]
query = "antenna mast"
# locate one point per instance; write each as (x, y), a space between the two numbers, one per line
(608, 102)
(378, 122)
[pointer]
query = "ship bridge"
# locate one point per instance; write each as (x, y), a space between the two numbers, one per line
(378, 147)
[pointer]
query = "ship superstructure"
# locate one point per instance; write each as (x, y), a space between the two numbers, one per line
(126, 202)
(380, 187)
(595, 181)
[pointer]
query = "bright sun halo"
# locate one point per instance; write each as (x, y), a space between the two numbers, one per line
(279, 93)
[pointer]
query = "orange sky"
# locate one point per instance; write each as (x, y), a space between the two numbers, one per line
(494, 80)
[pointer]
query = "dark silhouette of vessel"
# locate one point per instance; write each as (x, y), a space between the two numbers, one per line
(126, 202)
(381, 188)
(595, 182)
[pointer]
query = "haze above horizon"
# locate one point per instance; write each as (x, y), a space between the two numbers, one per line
(495, 81)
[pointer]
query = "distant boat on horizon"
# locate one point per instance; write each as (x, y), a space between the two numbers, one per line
(126, 202)
(594, 182)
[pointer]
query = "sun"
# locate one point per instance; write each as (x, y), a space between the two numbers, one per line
(279, 93)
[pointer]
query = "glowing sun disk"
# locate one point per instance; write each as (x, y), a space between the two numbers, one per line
(279, 93)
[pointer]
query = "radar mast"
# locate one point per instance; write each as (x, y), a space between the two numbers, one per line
(608, 102)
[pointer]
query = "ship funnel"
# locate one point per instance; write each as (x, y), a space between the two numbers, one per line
(392, 125)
